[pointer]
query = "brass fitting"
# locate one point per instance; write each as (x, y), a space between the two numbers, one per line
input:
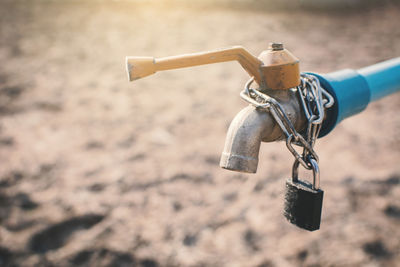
(280, 67)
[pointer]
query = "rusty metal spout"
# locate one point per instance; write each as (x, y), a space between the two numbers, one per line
(252, 126)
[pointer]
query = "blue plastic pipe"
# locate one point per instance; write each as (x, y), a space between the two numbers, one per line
(353, 90)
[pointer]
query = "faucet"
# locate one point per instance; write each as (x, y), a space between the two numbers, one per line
(252, 126)
(276, 71)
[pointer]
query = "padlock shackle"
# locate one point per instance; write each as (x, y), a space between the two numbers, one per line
(315, 169)
(139, 67)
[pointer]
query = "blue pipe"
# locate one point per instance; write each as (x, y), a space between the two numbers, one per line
(383, 78)
(353, 90)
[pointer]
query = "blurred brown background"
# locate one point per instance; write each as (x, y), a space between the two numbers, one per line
(96, 171)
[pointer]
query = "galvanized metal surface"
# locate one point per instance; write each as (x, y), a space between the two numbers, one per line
(252, 126)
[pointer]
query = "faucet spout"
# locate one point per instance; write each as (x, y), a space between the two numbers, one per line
(243, 140)
(252, 126)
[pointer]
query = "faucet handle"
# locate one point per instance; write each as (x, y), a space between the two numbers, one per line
(139, 67)
(275, 68)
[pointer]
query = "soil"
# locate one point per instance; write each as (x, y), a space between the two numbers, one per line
(97, 171)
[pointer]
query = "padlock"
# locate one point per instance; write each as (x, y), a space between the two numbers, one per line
(303, 200)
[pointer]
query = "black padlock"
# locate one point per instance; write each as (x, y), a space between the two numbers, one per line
(303, 200)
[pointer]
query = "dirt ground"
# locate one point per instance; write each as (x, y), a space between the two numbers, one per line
(97, 171)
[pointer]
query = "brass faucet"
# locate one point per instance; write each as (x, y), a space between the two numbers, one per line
(276, 71)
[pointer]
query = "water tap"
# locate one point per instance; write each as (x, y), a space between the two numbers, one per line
(276, 72)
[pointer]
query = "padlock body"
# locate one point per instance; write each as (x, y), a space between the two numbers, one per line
(303, 204)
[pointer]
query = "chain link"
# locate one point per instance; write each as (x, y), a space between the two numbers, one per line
(314, 100)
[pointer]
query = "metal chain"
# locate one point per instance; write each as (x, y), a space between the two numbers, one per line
(314, 100)
(314, 104)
